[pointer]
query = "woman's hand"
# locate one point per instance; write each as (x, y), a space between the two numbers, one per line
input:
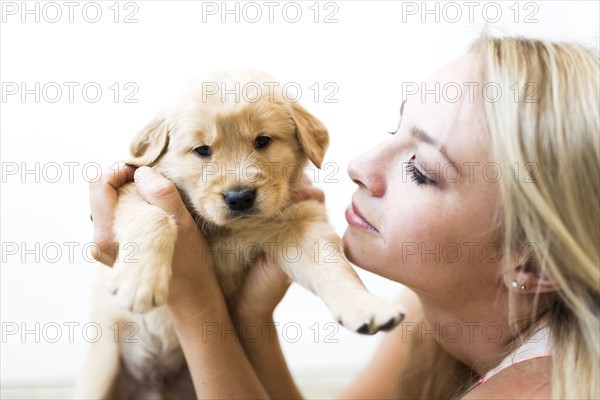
(193, 277)
(265, 283)
(103, 199)
(192, 265)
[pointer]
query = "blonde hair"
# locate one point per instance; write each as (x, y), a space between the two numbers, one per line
(431, 372)
(553, 131)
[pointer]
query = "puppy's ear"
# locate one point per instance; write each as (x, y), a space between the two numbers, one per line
(312, 134)
(150, 143)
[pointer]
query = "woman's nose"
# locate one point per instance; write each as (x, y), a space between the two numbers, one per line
(368, 171)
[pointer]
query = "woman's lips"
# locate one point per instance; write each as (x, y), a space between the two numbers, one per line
(355, 219)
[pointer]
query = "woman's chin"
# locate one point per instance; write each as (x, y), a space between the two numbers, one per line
(364, 251)
(352, 247)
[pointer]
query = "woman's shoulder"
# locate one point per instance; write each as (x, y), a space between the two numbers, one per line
(529, 379)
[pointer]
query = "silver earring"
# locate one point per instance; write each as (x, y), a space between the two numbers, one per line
(523, 287)
(514, 283)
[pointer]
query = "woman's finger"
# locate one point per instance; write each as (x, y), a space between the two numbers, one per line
(308, 192)
(103, 199)
(161, 192)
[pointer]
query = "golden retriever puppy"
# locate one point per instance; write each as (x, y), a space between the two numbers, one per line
(237, 160)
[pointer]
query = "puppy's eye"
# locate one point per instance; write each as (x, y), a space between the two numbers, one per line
(262, 141)
(203, 151)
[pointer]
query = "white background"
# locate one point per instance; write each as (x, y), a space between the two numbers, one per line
(366, 55)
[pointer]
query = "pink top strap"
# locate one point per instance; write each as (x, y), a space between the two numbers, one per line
(538, 345)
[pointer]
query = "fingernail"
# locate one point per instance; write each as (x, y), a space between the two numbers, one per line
(142, 173)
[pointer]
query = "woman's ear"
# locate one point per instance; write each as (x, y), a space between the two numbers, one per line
(150, 143)
(527, 277)
(312, 134)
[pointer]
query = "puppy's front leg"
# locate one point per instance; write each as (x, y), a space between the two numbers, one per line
(146, 235)
(318, 264)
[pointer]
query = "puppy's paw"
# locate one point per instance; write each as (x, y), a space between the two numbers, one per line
(368, 314)
(140, 288)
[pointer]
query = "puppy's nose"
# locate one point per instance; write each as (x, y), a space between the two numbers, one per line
(240, 199)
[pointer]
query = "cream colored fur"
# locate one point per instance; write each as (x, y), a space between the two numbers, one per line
(298, 236)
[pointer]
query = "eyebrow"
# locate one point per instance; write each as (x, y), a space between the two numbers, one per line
(422, 136)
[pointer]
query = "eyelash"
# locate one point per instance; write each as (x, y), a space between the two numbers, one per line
(417, 176)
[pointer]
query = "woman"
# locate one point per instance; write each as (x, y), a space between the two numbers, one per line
(485, 206)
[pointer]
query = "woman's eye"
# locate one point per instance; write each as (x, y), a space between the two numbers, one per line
(261, 141)
(416, 175)
(203, 151)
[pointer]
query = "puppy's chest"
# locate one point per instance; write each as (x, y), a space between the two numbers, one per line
(233, 254)
(233, 251)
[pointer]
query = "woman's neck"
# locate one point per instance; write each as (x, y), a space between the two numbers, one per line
(477, 333)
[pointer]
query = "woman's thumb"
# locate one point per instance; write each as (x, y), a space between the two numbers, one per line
(158, 190)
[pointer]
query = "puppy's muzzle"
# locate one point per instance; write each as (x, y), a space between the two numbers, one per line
(240, 200)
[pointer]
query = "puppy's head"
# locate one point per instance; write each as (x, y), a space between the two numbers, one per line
(234, 146)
